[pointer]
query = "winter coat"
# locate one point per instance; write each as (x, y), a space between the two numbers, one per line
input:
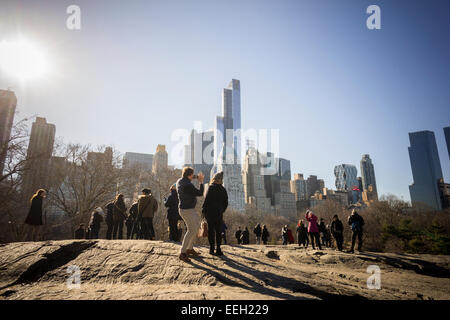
(302, 233)
(132, 214)
(312, 226)
(322, 227)
(356, 222)
(109, 213)
(34, 216)
(216, 202)
(265, 235)
(337, 227)
(171, 203)
(95, 221)
(238, 234)
(119, 211)
(245, 237)
(147, 206)
(257, 231)
(188, 193)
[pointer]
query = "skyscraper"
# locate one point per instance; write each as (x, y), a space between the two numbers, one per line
(345, 177)
(447, 139)
(8, 102)
(199, 154)
(39, 153)
(160, 159)
(426, 169)
(368, 175)
(298, 187)
(227, 145)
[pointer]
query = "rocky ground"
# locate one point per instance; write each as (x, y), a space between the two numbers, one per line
(136, 269)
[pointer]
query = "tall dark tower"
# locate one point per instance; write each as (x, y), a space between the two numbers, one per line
(447, 139)
(8, 102)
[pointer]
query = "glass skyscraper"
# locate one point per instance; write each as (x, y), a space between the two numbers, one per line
(447, 139)
(346, 177)
(426, 169)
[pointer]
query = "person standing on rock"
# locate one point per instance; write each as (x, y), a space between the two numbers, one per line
(245, 236)
(302, 234)
(238, 235)
(313, 229)
(109, 219)
(147, 206)
(119, 216)
(265, 235)
(337, 230)
(258, 231)
(215, 204)
(356, 222)
(95, 222)
(34, 217)
(284, 235)
(187, 195)
(131, 222)
(173, 216)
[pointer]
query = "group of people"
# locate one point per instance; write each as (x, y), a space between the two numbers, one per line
(180, 204)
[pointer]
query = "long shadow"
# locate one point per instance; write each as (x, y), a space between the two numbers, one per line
(418, 266)
(269, 278)
(250, 259)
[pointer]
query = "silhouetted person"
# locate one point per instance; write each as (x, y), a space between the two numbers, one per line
(245, 236)
(119, 216)
(34, 218)
(313, 229)
(284, 235)
(337, 230)
(173, 216)
(131, 222)
(322, 231)
(80, 232)
(109, 219)
(265, 235)
(302, 234)
(356, 222)
(238, 234)
(95, 222)
(147, 206)
(215, 204)
(258, 232)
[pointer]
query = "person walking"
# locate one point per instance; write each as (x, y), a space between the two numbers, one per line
(302, 234)
(215, 204)
(238, 235)
(265, 235)
(356, 222)
(109, 219)
(245, 236)
(313, 229)
(284, 235)
(187, 195)
(173, 216)
(258, 231)
(147, 206)
(95, 222)
(337, 230)
(119, 216)
(33, 220)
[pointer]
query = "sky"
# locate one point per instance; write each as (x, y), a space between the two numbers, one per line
(139, 70)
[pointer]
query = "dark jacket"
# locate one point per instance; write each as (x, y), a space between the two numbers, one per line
(265, 235)
(322, 227)
(95, 221)
(188, 193)
(238, 234)
(34, 216)
(337, 227)
(119, 211)
(356, 222)
(245, 237)
(171, 203)
(132, 213)
(302, 233)
(109, 213)
(216, 201)
(257, 231)
(80, 233)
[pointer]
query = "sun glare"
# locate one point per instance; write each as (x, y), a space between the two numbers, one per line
(22, 59)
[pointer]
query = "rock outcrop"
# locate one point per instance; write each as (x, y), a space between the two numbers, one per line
(136, 269)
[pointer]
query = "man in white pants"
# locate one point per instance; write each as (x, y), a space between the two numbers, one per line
(187, 195)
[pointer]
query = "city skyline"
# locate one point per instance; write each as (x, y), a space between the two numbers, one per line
(310, 122)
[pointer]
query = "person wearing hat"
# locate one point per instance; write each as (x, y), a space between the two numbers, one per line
(147, 206)
(94, 223)
(215, 204)
(171, 203)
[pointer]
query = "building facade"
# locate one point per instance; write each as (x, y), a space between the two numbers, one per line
(131, 159)
(160, 160)
(426, 169)
(346, 177)
(8, 102)
(199, 154)
(298, 187)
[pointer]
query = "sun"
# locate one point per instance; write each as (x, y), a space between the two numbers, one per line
(22, 59)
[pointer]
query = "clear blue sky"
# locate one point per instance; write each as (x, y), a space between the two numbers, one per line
(138, 70)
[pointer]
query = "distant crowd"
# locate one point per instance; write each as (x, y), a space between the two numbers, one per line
(180, 204)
